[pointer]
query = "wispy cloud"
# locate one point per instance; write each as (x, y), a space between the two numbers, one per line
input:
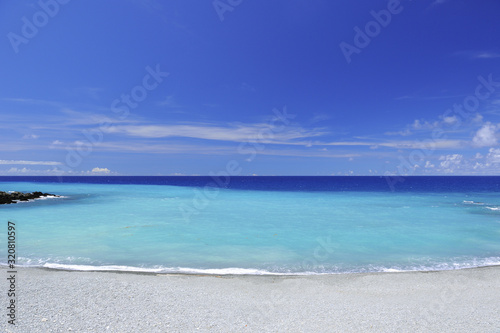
(73, 117)
(170, 102)
(426, 98)
(30, 136)
(320, 117)
(11, 162)
(33, 101)
(93, 93)
(405, 132)
(55, 172)
(477, 54)
(306, 153)
(439, 2)
(264, 133)
(155, 147)
(430, 144)
(487, 55)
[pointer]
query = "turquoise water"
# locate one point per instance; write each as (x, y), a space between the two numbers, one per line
(143, 227)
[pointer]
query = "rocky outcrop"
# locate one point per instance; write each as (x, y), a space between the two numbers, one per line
(8, 198)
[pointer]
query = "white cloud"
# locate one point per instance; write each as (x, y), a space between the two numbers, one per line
(429, 165)
(202, 149)
(485, 136)
(424, 144)
(450, 162)
(169, 102)
(428, 144)
(54, 172)
(487, 55)
(477, 166)
(263, 133)
(57, 142)
(29, 162)
(16, 170)
(26, 172)
(405, 132)
(31, 136)
(493, 156)
(450, 120)
(423, 125)
(444, 123)
(100, 170)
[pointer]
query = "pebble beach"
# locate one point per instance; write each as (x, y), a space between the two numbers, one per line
(49, 300)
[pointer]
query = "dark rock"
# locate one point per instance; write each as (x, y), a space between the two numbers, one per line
(8, 198)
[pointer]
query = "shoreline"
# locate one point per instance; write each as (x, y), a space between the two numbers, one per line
(268, 274)
(461, 300)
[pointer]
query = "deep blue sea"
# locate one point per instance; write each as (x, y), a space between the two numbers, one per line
(256, 225)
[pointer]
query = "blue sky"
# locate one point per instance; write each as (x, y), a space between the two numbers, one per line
(295, 87)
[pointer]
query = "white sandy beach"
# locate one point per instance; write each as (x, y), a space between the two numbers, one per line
(447, 301)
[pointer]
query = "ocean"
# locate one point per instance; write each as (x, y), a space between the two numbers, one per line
(255, 225)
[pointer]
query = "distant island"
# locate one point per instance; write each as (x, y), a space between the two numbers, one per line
(14, 197)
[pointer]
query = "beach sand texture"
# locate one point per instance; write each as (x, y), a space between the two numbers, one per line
(446, 301)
